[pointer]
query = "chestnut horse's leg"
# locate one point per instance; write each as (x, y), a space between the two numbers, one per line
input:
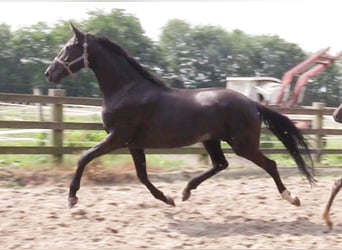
(219, 162)
(337, 115)
(140, 166)
(107, 145)
(335, 189)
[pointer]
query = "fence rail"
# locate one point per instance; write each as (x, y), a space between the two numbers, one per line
(57, 125)
(99, 126)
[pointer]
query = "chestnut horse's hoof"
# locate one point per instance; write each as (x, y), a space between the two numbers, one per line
(329, 223)
(72, 201)
(296, 202)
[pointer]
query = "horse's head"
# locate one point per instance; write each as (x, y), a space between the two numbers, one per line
(71, 58)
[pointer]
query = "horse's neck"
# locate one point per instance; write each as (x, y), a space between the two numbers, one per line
(113, 83)
(107, 82)
(115, 75)
(112, 76)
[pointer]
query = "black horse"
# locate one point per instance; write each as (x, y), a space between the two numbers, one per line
(140, 111)
(337, 115)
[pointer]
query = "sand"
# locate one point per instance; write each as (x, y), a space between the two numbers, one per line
(240, 212)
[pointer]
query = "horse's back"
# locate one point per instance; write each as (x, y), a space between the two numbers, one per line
(219, 103)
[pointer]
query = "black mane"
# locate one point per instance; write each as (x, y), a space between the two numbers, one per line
(131, 60)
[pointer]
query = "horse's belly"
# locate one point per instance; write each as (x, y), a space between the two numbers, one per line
(172, 139)
(181, 127)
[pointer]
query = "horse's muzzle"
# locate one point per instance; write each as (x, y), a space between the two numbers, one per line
(51, 76)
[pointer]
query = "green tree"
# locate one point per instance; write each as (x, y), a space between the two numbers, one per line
(7, 61)
(196, 57)
(325, 88)
(125, 29)
(202, 56)
(273, 56)
(32, 46)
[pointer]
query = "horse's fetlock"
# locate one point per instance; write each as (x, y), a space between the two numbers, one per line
(338, 183)
(222, 166)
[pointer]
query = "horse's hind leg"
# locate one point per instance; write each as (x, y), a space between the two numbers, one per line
(252, 153)
(335, 189)
(140, 166)
(219, 162)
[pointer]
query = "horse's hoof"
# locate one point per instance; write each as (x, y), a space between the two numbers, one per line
(72, 201)
(170, 201)
(296, 202)
(329, 223)
(186, 195)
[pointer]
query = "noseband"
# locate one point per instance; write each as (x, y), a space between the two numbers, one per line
(83, 57)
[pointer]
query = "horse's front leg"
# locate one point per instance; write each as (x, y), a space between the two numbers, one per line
(107, 145)
(140, 166)
(335, 189)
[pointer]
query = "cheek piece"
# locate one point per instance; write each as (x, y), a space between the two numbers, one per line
(83, 57)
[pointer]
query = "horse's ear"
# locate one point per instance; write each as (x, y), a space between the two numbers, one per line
(78, 33)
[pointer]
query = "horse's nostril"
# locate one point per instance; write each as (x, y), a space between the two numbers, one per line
(47, 74)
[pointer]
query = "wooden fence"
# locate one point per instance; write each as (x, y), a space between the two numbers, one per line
(57, 99)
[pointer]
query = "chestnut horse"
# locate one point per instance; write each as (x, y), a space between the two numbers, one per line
(140, 111)
(338, 184)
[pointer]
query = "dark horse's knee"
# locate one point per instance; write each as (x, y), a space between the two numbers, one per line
(220, 165)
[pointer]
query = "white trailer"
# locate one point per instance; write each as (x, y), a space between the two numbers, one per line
(261, 89)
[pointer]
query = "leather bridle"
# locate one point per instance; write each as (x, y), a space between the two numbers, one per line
(83, 57)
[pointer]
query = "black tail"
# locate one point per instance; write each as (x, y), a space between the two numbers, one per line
(291, 137)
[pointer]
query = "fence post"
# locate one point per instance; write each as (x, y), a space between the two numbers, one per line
(43, 135)
(38, 91)
(57, 116)
(318, 125)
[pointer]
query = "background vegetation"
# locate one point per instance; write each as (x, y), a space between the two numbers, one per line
(185, 56)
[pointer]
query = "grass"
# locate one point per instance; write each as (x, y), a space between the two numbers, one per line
(111, 161)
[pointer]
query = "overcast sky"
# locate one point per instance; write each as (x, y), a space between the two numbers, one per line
(313, 24)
